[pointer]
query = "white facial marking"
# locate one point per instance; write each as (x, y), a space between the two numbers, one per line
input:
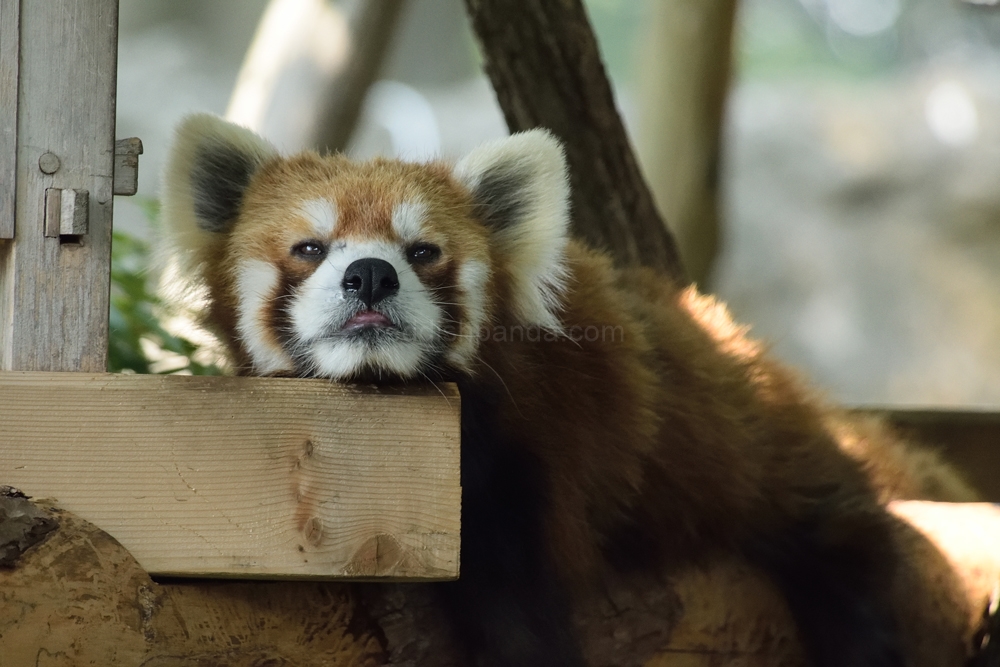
(408, 219)
(255, 284)
(472, 279)
(322, 214)
(320, 308)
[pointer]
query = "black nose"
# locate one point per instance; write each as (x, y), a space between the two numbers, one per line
(371, 280)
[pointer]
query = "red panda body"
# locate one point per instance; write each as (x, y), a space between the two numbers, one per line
(610, 418)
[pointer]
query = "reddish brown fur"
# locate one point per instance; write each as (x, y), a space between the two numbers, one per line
(681, 420)
(679, 426)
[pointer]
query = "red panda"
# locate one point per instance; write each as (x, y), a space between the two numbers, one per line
(610, 418)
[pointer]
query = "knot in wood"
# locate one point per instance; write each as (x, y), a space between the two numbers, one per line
(378, 556)
(313, 531)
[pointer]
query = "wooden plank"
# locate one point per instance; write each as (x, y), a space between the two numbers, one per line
(54, 295)
(244, 477)
(9, 37)
(968, 439)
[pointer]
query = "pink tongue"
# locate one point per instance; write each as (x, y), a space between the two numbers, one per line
(369, 318)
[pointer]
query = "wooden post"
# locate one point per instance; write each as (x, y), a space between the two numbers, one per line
(9, 55)
(62, 57)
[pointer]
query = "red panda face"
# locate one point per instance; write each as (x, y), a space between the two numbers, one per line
(323, 267)
(339, 270)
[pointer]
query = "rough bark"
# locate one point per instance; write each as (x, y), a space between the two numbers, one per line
(546, 69)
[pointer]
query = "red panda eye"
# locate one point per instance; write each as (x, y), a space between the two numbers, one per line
(423, 253)
(309, 249)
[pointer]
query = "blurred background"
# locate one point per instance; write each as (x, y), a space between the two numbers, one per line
(846, 202)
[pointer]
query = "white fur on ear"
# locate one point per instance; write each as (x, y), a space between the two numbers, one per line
(521, 188)
(208, 168)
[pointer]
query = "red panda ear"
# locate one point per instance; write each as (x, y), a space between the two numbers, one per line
(520, 186)
(209, 167)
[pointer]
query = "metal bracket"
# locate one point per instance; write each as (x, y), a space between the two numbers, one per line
(127, 152)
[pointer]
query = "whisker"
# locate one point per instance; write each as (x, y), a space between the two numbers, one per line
(435, 385)
(506, 388)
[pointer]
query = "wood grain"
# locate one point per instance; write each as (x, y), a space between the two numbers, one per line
(244, 477)
(9, 57)
(546, 69)
(53, 295)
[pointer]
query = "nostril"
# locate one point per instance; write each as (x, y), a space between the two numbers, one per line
(353, 284)
(389, 283)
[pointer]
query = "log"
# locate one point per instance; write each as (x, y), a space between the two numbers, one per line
(543, 61)
(245, 477)
(373, 26)
(80, 598)
(76, 596)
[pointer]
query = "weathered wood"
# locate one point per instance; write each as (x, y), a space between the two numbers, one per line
(9, 60)
(543, 60)
(54, 295)
(66, 212)
(248, 477)
(684, 82)
(80, 598)
(127, 152)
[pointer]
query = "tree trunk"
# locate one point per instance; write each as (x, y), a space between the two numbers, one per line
(543, 60)
(684, 81)
(308, 70)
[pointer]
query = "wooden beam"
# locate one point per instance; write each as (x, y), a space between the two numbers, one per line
(968, 439)
(10, 23)
(54, 291)
(244, 477)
